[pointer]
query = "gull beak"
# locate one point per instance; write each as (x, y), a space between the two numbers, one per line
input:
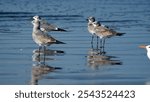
(142, 46)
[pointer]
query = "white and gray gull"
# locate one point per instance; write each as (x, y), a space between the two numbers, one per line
(42, 38)
(104, 32)
(45, 26)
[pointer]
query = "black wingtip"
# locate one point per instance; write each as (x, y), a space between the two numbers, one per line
(60, 29)
(59, 42)
(120, 34)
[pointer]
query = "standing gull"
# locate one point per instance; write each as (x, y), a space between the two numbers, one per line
(147, 48)
(90, 27)
(45, 26)
(104, 32)
(42, 38)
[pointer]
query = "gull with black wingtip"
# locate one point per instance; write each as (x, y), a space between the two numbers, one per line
(42, 38)
(104, 32)
(45, 26)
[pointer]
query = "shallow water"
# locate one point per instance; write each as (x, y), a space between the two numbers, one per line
(75, 62)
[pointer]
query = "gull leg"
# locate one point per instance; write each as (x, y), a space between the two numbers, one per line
(39, 52)
(44, 53)
(104, 43)
(40, 47)
(92, 41)
(101, 43)
(103, 47)
(97, 42)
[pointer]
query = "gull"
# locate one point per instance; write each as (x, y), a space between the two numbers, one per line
(45, 26)
(104, 32)
(147, 48)
(42, 38)
(90, 27)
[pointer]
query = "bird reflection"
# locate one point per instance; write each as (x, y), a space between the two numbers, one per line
(97, 58)
(40, 68)
(49, 52)
(39, 58)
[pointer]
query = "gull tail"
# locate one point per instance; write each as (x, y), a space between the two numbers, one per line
(120, 34)
(60, 29)
(59, 42)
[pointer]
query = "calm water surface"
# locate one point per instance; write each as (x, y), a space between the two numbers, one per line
(74, 62)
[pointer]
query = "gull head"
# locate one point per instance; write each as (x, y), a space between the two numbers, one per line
(38, 18)
(96, 24)
(147, 47)
(91, 19)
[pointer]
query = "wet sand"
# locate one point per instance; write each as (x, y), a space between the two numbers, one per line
(75, 62)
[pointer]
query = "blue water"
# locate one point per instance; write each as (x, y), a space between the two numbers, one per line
(74, 62)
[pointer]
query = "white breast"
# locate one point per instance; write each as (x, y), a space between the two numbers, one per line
(148, 54)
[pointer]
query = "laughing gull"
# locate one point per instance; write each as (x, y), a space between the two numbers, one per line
(42, 38)
(90, 27)
(104, 32)
(45, 26)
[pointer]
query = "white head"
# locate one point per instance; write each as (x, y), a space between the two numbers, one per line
(37, 18)
(147, 48)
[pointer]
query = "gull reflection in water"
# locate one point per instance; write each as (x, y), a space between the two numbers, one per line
(42, 56)
(97, 58)
(48, 52)
(40, 68)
